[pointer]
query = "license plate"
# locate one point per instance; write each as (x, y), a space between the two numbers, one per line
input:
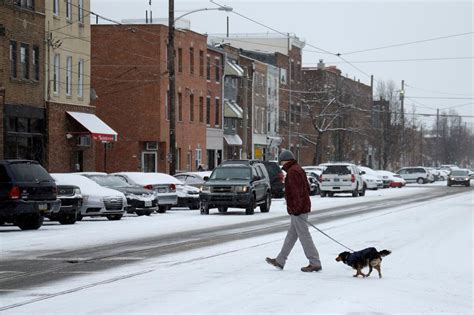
(336, 179)
(148, 203)
(161, 190)
(43, 206)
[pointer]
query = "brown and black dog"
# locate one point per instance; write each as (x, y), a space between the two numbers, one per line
(363, 258)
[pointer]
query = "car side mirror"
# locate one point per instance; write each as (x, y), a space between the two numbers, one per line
(362, 172)
(206, 178)
(255, 177)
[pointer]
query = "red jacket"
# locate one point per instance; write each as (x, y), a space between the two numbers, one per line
(296, 189)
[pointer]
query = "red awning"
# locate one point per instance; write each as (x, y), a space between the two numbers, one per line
(99, 130)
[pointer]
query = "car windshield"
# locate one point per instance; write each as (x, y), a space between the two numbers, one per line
(337, 169)
(228, 173)
(109, 181)
(30, 172)
(459, 173)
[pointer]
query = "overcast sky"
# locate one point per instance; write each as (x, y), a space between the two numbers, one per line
(349, 26)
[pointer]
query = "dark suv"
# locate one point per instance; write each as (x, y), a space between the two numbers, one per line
(277, 178)
(237, 184)
(27, 194)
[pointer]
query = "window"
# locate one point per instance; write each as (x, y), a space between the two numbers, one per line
(56, 7)
(35, 60)
(180, 107)
(80, 78)
(24, 61)
(56, 74)
(218, 73)
(208, 110)
(201, 63)
(69, 9)
(180, 60)
(167, 111)
(13, 59)
(201, 109)
(68, 75)
(191, 107)
(80, 12)
(218, 120)
(191, 60)
(208, 71)
(198, 158)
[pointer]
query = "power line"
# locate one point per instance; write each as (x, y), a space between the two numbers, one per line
(441, 97)
(407, 43)
(401, 60)
(436, 92)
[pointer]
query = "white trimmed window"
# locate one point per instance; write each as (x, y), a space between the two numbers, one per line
(68, 75)
(80, 78)
(69, 9)
(56, 7)
(80, 8)
(56, 74)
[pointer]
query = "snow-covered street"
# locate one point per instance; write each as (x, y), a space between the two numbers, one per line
(430, 269)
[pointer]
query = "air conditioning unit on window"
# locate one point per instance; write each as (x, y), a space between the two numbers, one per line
(152, 145)
(84, 141)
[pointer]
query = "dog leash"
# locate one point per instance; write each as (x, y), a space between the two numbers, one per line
(322, 232)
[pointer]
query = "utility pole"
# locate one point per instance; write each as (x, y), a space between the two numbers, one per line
(289, 94)
(172, 89)
(245, 114)
(402, 118)
(421, 145)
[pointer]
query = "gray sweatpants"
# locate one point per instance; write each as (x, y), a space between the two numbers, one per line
(299, 229)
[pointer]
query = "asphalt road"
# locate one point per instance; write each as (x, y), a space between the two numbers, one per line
(26, 272)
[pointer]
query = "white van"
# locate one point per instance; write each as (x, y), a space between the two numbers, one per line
(419, 174)
(342, 178)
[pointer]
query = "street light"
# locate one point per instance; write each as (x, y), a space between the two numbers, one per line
(172, 78)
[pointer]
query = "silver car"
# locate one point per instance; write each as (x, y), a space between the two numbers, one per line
(163, 184)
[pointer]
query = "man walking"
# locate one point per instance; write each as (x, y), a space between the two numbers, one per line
(298, 206)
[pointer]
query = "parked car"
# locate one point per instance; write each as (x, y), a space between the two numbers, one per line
(419, 174)
(386, 177)
(140, 200)
(318, 169)
(393, 179)
(71, 202)
(443, 174)
(240, 185)
(97, 201)
(27, 194)
(459, 177)
(372, 180)
(313, 184)
(342, 178)
(195, 179)
(163, 184)
(277, 178)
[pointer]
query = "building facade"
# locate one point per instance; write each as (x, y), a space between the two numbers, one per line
(131, 82)
(22, 112)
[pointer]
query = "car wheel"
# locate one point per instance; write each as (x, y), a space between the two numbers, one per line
(355, 193)
(79, 217)
(68, 219)
(196, 206)
(330, 194)
(420, 181)
(2, 222)
(114, 217)
(222, 209)
(362, 192)
(468, 184)
(204, 208)
(266, 206)
(140, 213)
(323, 194)
(251, 206)
(161, 209)
(449, 184)
(30, 221)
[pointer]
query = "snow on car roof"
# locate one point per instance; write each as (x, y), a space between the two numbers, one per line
(150, 178)
(87, 186)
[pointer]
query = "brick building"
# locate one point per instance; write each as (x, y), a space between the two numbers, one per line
(132, 85)
(344, 102)
(22, 110)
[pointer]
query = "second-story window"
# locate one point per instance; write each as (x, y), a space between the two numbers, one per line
(180, 107)
(35, 60)
(69, 9)
(201, 109)
(180, 60)
(191, 107)
(68, 75)
(13, 59)
(191, 60)
(218, 73)
(218, 117)
(56, 74)
(201, 63)
(80, 78)
(208, 72)
(24, 60)
(208, 110)
(56, 7)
